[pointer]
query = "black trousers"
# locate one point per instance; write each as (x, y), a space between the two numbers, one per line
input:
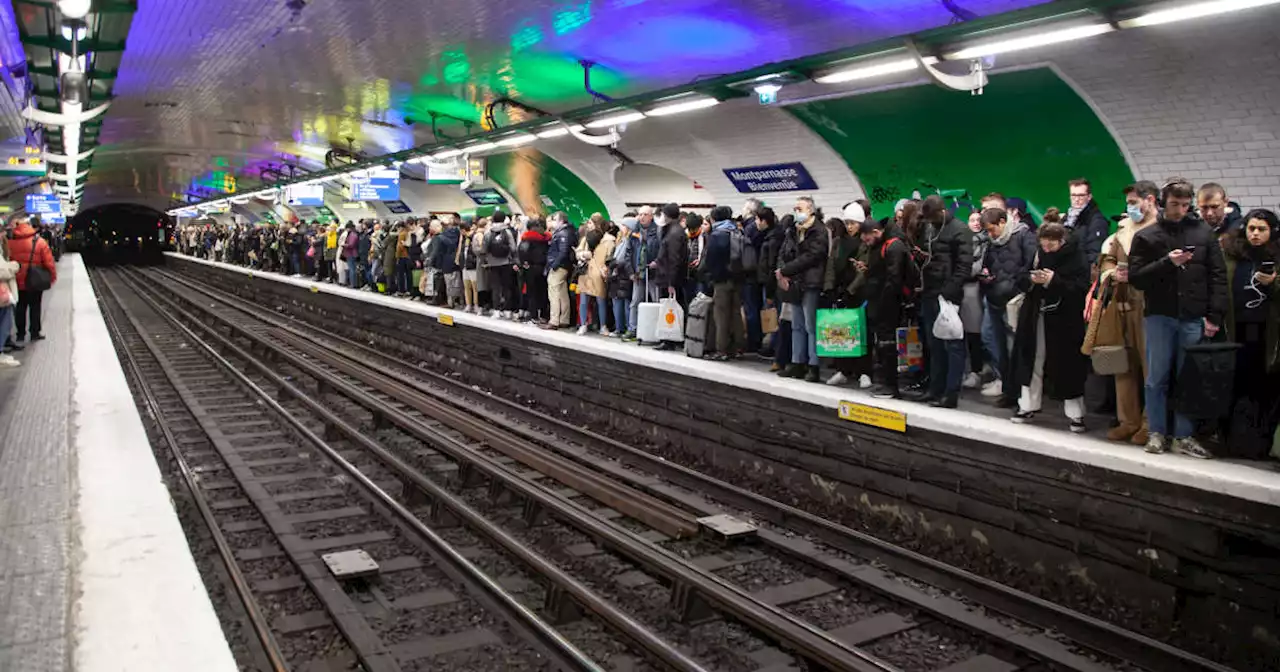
(506, 290)
(28, 308)
(536, 300)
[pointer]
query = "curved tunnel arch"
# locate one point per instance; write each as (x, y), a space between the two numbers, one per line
(648, 183)
(119, 232)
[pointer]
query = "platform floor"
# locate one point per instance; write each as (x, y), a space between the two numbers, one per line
(95, 572)
(1253, 481)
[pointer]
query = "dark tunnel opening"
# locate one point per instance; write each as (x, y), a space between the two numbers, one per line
(120, 233)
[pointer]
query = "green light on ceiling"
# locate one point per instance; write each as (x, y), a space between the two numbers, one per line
(547, 77)
(220, 161)
(456, 66)
(526, 37)
(571, 18)
(429, 80)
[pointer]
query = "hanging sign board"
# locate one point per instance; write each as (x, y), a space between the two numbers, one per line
(43, 204)
(381, 184)
(775, 177)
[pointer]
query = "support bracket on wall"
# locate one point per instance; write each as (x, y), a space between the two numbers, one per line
(973, 82)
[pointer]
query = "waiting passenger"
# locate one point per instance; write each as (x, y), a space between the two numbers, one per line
(446, 260)
(560, 262)
(671, 267)
(31, 252)
(595, 250)
(752, 297)
(1085, 221)
(484, 293)
(771, 235)
(1223, 216)
(1008, 259)
(847, 272)
(1046, 348)
(532, 255)
(500, 260)
(726, 283)
(947, 245)
(1253, 314)
(644, 258)
(1179, 267)
(621, 274)
(802, 264)
(888, 289)
(8, 300)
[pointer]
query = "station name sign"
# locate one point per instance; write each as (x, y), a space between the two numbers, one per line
(776, 177)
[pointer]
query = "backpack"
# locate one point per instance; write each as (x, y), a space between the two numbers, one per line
(743, 256)
(911, 275)
(499, 244)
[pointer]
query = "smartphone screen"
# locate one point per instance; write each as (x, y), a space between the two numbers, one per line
(1190, 249)
(1268, 267)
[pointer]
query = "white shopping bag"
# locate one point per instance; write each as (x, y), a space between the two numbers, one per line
(670, 321)
(948, 326)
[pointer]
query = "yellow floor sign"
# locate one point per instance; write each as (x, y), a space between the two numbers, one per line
(875, 417)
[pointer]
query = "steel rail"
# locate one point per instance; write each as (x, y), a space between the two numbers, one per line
(240, 585)
(691, 585)
(1084, 629)
(564, 653)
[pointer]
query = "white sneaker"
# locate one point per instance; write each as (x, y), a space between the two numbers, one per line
(971, 381)
(864, 381)
(994, 388)
(497, 314)
(838, 379)
(606, 333)
(9, 360)
(582, 331)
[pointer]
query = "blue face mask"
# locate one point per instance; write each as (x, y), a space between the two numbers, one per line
(1134, 212)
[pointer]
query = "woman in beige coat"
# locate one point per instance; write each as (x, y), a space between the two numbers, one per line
(8, 299)
(595, 250)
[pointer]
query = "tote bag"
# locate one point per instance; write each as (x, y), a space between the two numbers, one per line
(842, 332)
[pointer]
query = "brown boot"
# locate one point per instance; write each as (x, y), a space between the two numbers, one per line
(1140, 439)
(1122, 433)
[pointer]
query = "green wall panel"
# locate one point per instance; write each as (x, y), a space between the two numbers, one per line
(1025, 136)
(543, 185)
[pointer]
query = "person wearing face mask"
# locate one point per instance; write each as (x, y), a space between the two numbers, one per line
(1119, 320)
(1253, 321)
(802, 266)
(752, 296)
(1178, 266)
(1085, 221)
(1046, 347)
(643, 259)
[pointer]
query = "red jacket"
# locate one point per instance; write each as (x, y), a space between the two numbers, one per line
(20, 251)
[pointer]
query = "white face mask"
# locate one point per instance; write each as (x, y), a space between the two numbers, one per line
(661, 219)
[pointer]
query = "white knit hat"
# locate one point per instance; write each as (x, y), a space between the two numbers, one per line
(854, 212)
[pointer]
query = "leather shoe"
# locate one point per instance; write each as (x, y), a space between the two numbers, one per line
(948, 401)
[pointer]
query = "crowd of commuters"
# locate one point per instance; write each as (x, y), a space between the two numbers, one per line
(27, 269)
(1045, 305)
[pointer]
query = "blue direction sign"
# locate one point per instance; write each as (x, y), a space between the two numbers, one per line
(776, 177)
(378, 185)
(43, 204)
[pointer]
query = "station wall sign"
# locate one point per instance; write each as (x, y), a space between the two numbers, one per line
(486, 196)
(310, 195)
(43, 204)
(397, 207)
(381, 184)
(774, 177)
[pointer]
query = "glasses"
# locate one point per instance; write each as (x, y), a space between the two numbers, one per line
(1084, 195)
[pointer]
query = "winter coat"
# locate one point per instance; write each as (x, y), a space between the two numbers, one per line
(390, 253)
(948, 261)
(621, 270)
(363, 246)
(430, 252)
(21, 250)
(1273, 319)
(8, 275)
(331, 245)
(770, 244)
(595, 281)
(716, 258)
(1062, 302)
(351, 245)
(803, 259)
(1090, 230)
(885, 288)
(1008, 259)
(493, 260)
(403, 240)
(446, 252)
(1197, 290)
(673, 258)
(560, 250)
(847, 283)
(417, 247)
(533, 251)
(651, 237)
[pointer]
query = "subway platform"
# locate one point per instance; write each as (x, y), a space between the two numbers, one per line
(95, 571)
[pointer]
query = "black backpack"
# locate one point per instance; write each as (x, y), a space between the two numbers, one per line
(499, 244)
(743, 256)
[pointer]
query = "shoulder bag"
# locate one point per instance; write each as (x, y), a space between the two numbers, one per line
(38, 277)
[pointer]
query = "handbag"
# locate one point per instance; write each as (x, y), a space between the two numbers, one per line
(948, 326)
(670, 321)
(38, 277)
(842, 332)
(1206, 383)
(1110, 360)
(769, 321)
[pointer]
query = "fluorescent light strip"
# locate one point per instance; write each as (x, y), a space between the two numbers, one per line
(482, 147)
(1031, 41)
(517, 140)
(616, 120)
(682, 106)
(559, 131)
(868, 71)
(446, 154)
(1193, 11)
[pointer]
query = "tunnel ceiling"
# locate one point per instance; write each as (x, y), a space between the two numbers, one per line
(208, 88)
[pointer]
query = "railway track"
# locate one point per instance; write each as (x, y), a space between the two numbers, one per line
(805, 589)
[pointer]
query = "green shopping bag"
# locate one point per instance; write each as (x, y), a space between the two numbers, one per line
(842, 332)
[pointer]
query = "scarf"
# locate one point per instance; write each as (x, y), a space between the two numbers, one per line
(1009, 229)
(1072, 215)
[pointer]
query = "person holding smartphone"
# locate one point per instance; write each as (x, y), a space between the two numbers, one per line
(1177, 265)
(1253, 321)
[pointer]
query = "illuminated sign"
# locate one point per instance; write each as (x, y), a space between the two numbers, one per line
(381, 184)
(486, 197)
(310, 195)
(29, 161)
(450, 171)
(43, 204)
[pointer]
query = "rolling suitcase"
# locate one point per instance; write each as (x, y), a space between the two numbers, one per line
(696, 326)
(647, 322)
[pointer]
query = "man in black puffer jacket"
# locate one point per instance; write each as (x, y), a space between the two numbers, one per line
(771, 235)
(672, 265)
(802, 267)
(948, 247)
(1009, 258)
(1179, 268)
(1085, 221)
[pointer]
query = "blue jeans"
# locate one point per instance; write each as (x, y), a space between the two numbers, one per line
(752, 301)
(1167, 340)
(946, 358)
(404, 275)
(6, 324)
(584, 302)
(995, 338)
(353, 274)
(620, 310)
(804, 329)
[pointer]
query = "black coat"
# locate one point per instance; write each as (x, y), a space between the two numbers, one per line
(1008, 264)
(886, 287)
(532, 251)
(1062, 301)
(1197, 290)
(560, 251)
(1090, 231)
(770, 245)
(673, 258)
(949, 261)
(446, 250)
(803, 259)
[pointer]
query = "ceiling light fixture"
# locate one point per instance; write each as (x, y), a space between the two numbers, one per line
(517, 140)
(446, 154)
(682, 106)
(867, 70)
(75, 9)
(482, 147)
(1193, 11)
(616, 120)
(559, 131)
(1030, 41)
